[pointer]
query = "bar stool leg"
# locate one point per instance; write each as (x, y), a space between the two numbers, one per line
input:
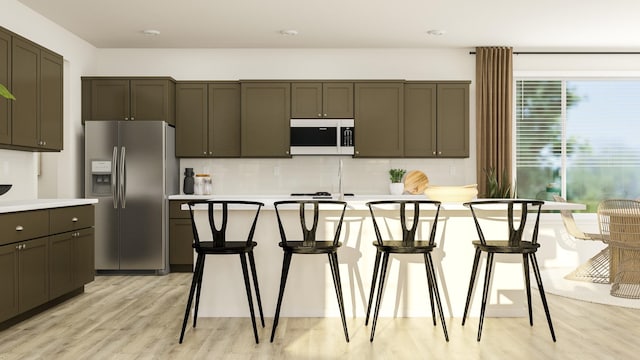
(536, 271)
(431, 273)
(527, 285)
(335, 271)
(474, 273)
(485, 292)
(199, 287)
(252, 263)
(286, 261)
(430, 284)
(376, 267)
(247, 285)
(383, 274)
(194, 282)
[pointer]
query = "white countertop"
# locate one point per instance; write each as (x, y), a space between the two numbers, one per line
(358, 202)
(37, 204)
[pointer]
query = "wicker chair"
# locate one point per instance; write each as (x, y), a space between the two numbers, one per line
(619, 221)
(596, 269)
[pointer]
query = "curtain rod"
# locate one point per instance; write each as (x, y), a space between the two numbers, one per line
(571, 53)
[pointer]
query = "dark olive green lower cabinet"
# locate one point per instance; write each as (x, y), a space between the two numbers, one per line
(24, 276)
(180, 238)
(8, 281)
(378, 109)
(33, 273)
(72, 261)
(57, 261)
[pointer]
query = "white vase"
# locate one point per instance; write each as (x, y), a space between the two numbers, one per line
(396, 188)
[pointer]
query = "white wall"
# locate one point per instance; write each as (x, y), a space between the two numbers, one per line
(60, 173)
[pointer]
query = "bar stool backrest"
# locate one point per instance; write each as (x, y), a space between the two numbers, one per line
(507, 205)
(218, 210)
(309, 233)
(404, 212)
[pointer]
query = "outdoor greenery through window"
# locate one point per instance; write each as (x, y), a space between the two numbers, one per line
(578, 138)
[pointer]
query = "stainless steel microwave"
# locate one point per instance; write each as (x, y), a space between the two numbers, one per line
(322, 136)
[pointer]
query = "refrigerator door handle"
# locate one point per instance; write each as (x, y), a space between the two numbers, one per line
(114, 172)
(123, 177)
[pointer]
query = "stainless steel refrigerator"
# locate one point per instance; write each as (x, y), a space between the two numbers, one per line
(131, 168)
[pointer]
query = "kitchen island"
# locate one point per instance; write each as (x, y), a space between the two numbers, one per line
(46, 254)
(406, 291)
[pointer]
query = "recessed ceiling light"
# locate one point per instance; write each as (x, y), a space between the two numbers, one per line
(289, 32)
(151, 32)
(436, 32)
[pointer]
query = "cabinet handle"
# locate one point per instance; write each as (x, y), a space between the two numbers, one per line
(19, 228)
(319, 115)
(126, 118)
(210, 152)
(325, 115)
(132, 118)
(44, 142)
(74, 219)
(24, 246)
(439, 152)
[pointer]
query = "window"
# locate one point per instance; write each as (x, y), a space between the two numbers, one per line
(578, 138)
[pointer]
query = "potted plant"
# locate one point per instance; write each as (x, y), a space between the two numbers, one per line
(396, 187)
(4, 92)
(498, 187)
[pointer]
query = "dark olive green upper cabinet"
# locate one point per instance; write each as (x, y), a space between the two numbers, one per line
(453, 119)
(329, 100)
(378, 110)
(265, 114)
(36, 82)
(420, 114)
(208, 119)
(5, 80)
(130, 99)
(437, 119)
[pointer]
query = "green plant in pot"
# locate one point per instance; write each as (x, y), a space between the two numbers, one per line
(498, 186)
(395, 175)
(5, 93)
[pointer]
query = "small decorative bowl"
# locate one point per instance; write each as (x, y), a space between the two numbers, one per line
(4, 189)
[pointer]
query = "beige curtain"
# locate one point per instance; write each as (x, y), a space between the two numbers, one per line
(494, 77)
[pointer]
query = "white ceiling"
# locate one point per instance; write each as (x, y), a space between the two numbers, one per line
(570, 25)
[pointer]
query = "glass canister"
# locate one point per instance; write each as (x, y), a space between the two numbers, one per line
(198, 184)
(203, 185)
(207, 186)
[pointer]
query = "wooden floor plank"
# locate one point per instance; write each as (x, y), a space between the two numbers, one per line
(139, 317)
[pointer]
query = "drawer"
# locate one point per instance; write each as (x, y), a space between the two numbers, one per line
(71, 218)
(175, 212)
(24, 225)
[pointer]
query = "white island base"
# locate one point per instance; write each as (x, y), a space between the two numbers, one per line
(309, 290)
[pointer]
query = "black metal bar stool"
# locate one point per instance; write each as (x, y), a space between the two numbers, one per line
(404, 241)
(503, 210)
(307, 243)
(218, 210)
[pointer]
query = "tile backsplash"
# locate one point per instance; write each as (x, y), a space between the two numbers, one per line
(321, 173)
(19, 168)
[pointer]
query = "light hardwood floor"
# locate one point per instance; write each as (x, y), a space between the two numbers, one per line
(139, 317)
